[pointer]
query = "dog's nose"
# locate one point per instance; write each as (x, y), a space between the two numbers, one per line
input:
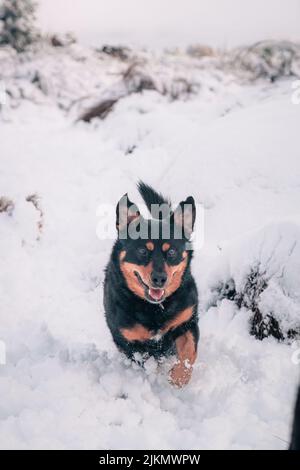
(158, 278)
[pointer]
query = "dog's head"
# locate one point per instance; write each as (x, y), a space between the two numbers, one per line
(154, 256)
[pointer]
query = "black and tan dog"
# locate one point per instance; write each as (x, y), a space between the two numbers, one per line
(150, 296)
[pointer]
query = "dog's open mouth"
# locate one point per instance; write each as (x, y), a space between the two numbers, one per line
(152, 294)
(156, 294)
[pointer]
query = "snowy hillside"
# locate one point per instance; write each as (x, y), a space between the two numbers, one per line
(220, 129)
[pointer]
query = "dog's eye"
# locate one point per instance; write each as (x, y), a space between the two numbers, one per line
(172, 253)
(142, 251)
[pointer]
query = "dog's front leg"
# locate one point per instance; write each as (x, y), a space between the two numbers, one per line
(186, 348)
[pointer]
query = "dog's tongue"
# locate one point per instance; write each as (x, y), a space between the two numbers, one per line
(156, 294)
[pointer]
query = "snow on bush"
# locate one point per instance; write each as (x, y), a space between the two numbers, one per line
(261, 273)
(6, 205)
(267, 59)
(79, 79)
(17, 23)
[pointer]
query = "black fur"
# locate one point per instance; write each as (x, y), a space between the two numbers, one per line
(150, 196)
(125, 309)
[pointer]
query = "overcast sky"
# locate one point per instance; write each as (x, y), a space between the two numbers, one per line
(172, 22)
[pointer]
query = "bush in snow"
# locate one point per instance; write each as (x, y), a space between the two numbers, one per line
(137, 78)
(88, 82)
(198, 51)
(261, 275)
(119, 52)
(62, 40)
(268, 59)
(17, 23)
(34, 199)
(6, 205)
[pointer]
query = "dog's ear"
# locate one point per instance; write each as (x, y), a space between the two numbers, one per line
(183, 218)
(126, 213)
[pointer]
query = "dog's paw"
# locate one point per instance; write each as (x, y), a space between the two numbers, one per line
(180, 374)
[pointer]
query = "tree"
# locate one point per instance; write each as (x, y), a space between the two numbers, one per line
(17, 23)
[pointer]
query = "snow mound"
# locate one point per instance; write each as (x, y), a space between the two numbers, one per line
(261, 272)
(64, 395)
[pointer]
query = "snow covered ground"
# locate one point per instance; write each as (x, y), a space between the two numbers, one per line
(235, 148)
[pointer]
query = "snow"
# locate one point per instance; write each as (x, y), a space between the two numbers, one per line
(270, 258)
(234, 146)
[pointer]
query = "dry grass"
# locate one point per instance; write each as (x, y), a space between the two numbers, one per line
(101, 110)
(6, 205)
(35, 200)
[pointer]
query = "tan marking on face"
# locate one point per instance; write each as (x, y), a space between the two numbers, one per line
(166, 246)
(182, 317)
(181, 373)
(136, 333)
(174, 274)
(128, 270)
(150, 246)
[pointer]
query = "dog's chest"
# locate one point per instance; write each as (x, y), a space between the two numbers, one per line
(156, 323)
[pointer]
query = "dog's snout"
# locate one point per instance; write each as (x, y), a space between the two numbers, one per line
(158, 278)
